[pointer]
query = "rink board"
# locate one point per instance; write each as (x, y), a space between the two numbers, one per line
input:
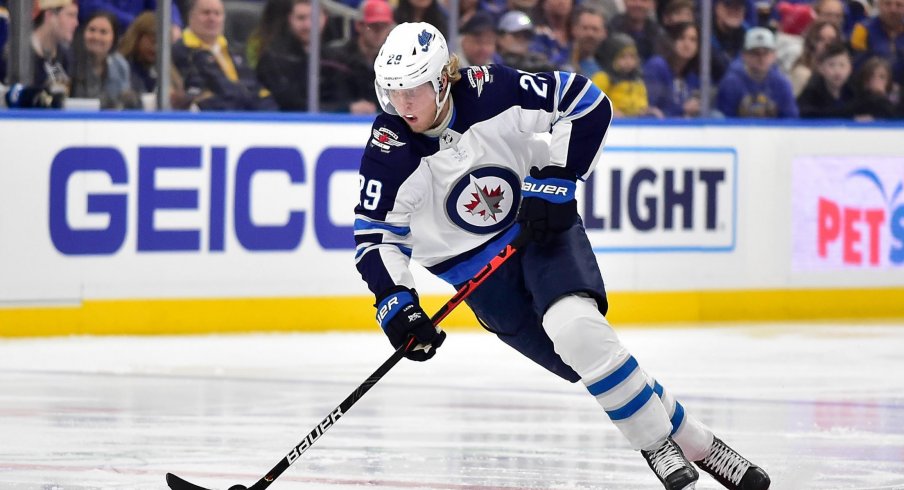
(185, 223)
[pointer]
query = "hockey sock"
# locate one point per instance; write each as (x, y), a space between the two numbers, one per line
(692, 436)
(586, 342)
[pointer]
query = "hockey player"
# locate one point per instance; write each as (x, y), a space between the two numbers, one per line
(455, 168)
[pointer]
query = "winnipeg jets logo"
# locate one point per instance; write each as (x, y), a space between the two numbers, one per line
(478, 76)
(484, 200)
(424, 39)
(385, 140)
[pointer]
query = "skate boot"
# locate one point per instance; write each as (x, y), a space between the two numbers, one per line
(671, 467)
(731, 469)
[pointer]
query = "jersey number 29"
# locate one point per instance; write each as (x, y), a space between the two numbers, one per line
(370, 190)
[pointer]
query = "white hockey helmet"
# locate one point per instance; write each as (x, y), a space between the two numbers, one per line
(414, 53)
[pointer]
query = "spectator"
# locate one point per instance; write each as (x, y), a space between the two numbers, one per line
(125, 11)
(621, 79)
(672, 80)
(873, 89)
(359, 53)
(882, 36)
(678, 12)
(273, 18)
(728, 30)
(100, 72)
(516, 32)
(283, 67)
(754, 87)
(828, 93)
(55, 22)
(478, 41)
(428, 11)
(816, 38)
(552, 35)
(588, 32)
(639, 23)
(4, 34)
(138, 46)
(793, 21)
(831, 11)
(215, 77)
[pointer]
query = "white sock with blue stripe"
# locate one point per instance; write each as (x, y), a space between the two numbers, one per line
(586, 342)
(692, 436)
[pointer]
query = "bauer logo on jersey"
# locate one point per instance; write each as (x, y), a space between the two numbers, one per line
(485, 200)
(478, 76)
(385, 140)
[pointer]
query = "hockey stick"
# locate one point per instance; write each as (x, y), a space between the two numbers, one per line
(176, 483)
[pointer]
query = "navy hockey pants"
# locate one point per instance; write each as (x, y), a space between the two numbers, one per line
(512, 301)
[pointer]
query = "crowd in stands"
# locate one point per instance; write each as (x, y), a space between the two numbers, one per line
(784, 59)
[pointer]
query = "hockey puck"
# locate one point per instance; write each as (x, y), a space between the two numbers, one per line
(238, 487)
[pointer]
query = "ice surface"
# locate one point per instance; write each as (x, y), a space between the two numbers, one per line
(818, 406)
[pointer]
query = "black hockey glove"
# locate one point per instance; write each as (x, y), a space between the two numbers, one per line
(548, 206)
(400, 315)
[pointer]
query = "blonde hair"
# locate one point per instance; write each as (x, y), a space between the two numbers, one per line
(451, 68)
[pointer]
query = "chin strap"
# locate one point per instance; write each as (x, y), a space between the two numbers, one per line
(441, 103)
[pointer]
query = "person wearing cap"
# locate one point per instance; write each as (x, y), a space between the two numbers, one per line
(478, 40)
(515, 33)
(755, 87)
(882, 36)
(54, 24)
(359, 53)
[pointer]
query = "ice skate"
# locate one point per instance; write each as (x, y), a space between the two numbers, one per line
(732, 470)
(673, 469)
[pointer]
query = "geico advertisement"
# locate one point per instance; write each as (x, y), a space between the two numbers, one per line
(195, 198)
(848, 212)
(663, 199)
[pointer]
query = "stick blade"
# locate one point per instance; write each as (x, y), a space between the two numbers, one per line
(176, 483)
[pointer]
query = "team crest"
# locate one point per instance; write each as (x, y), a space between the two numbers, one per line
(385, 140)
(478, 76)
(424, 39)
(485, 200)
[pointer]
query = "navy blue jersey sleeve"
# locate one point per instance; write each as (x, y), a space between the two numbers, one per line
(390, 190)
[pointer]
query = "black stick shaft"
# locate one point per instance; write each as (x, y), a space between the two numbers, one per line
(356, 395)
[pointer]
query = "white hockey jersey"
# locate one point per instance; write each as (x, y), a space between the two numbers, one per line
(450, 202)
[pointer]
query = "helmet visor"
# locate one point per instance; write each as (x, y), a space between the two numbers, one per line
(421, 94)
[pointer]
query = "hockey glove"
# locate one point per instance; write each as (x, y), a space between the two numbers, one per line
(548, 206)
(400, 315)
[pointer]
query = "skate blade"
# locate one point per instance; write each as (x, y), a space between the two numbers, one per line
(692, 486)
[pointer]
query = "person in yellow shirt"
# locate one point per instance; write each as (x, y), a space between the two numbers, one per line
(216, 77)
(621, 78)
